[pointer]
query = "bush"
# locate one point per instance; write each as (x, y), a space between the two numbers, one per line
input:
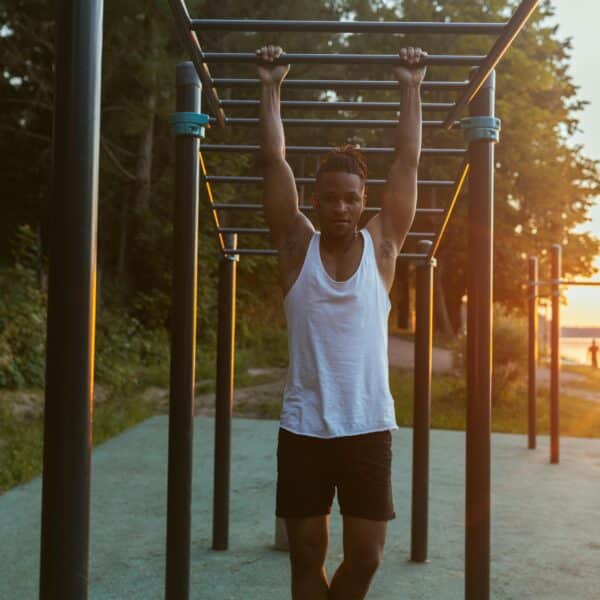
(22, 318)
(509, 356)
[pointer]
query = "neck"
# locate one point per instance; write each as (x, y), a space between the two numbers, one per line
(338, 244)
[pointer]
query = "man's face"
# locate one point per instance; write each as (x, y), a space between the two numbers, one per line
(339, 199)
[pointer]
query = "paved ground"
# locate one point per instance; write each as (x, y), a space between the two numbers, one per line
(545, 531)
(401, 353)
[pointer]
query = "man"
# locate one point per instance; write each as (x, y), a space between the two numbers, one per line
(338, 413)
(593, 353)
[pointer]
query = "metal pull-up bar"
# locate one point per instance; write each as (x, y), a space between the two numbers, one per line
(311, 180)
(325, 149)
(321, 105)
(357, 123)
(314, 26)
(334, 84)
(450, 60)
(482, 133)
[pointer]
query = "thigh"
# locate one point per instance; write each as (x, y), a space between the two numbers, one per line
(363, 477)
(364, 539)
(305, 485)
(308, 538)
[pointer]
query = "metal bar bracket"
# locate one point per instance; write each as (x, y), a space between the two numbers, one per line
(188, 123)
(478, 129)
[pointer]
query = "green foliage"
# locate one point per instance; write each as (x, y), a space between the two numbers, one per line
(127, 353)
(22, 317)
(20, 449)
(509, 355)
(544, 184)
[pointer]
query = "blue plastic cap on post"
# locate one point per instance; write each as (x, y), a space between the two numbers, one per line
(477, 129)
(188, 123)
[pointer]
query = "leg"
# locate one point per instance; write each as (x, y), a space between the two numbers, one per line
(365, 498)
(363, 550)
(308, 538)
(305, 492)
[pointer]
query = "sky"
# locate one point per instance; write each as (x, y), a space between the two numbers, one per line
(579, 20)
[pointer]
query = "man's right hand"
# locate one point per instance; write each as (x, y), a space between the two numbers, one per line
(268, 72)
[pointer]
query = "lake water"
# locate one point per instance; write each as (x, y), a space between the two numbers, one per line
(574, 349)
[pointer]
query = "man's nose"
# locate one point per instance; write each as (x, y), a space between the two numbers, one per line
(339, 206)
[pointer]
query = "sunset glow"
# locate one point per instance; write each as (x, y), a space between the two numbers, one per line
(577, 19)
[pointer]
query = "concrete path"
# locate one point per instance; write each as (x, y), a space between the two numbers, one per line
(401, 353)
(545, 530)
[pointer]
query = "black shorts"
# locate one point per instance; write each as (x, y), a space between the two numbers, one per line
(309, 469)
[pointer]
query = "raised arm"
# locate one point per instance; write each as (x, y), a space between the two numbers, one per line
(399, 200)
(279, 192)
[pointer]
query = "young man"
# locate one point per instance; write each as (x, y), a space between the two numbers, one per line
(338, 413)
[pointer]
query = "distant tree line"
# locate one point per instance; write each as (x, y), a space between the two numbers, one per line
(544, 183)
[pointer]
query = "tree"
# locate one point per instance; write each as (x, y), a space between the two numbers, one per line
(544, 185)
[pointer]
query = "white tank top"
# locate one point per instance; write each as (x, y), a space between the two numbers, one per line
(338, 380)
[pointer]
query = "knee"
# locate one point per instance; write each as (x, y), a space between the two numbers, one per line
(364, 561)
(307, 559)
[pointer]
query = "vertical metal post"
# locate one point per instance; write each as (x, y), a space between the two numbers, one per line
(183, 342)
(301, 171)
(479, 353)
(533, 350)
(422, 403)
(71, 302)
(556, 255)
(402, 290)
(224, 393)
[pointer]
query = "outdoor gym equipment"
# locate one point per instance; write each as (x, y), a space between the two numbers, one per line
(71, 303)
(554, 284)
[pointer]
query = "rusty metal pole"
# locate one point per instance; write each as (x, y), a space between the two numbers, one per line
(224, 394)
(556, 255)
(71, 302)
(532, 351)
(422, 403)
(479, 351)
(183, 342)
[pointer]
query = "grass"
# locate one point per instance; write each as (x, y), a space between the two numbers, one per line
(21, 437)
(578, 417)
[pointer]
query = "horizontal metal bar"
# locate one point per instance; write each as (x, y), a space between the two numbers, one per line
(269, 252)
(308, 208)
(342, 59)
(316, 26)
(244, 230)
(254, 122)
(564, 282)
(318, 105)
(436, 183)
(501, 45)
(333, 84)
(325, 149)
(263, 230)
